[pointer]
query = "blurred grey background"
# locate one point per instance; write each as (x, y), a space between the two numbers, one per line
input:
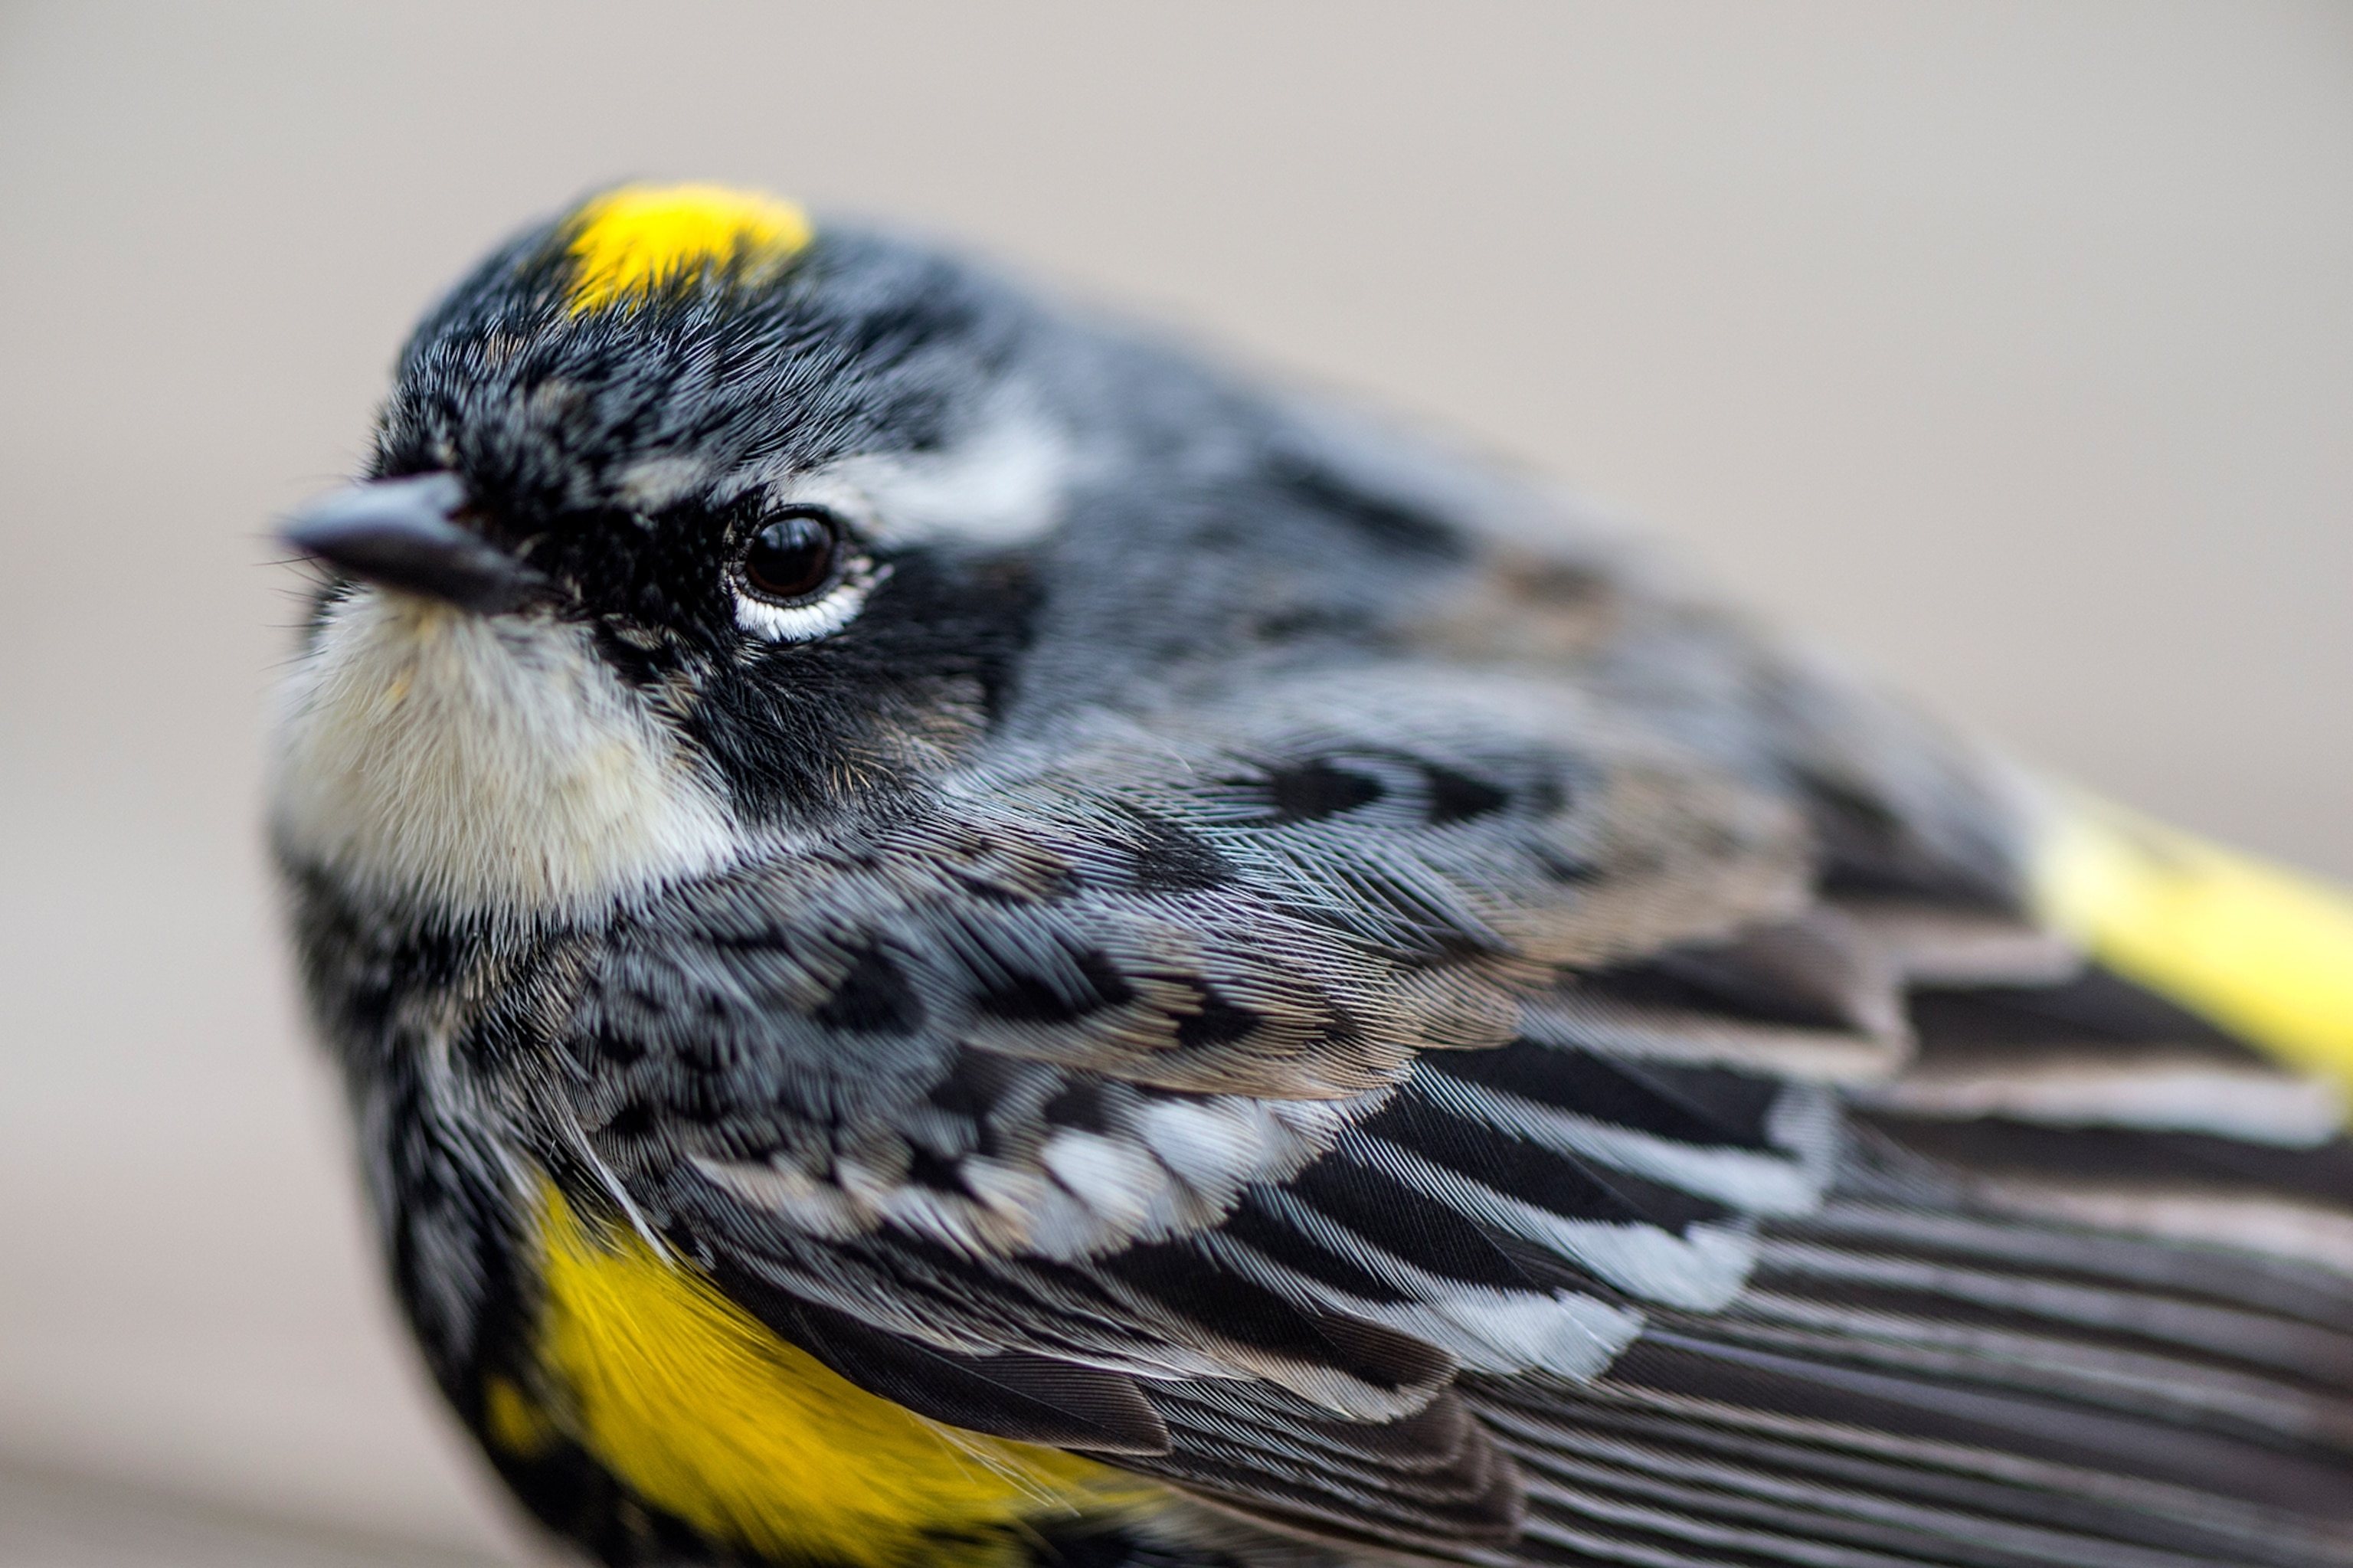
(2008, 345)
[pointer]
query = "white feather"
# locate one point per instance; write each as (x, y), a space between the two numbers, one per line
(2154, 1092)
(1702, 1268)
(481, 763)
(1763, 1184)
(1485, 1329)
(1003, 485)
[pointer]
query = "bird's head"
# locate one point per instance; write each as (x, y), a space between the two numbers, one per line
(683, 521)
(690, 525)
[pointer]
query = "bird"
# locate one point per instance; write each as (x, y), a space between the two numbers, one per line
(959, 936)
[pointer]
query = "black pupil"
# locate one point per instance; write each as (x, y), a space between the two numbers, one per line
(790, 558)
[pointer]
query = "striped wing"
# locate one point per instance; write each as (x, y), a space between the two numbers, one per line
(1494, 1117)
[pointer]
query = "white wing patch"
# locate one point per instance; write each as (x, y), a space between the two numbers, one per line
(1758, 1183)
(1703, 1268)
(1485, 1329)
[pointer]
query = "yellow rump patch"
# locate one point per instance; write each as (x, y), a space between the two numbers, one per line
(704, 1413)
(630, 241)
(2265, 952)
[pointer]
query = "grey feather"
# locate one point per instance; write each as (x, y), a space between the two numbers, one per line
(1273, 945)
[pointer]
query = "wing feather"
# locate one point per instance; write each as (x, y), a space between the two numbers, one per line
(1565, 1099)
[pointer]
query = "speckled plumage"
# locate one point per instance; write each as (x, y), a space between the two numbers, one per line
(1266, 953)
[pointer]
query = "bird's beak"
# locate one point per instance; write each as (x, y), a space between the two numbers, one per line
(404, 533)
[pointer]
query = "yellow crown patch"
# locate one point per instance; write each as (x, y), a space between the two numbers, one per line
(630, 241)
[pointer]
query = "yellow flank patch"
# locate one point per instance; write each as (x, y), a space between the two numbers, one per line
(2263, 951)
(515, 1423)
(630, 241)
(705, 1414)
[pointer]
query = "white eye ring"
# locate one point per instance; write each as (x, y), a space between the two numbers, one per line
(819, 616)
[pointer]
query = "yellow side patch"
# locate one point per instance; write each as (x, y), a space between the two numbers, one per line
(705, 1414)
(630, 241)
(2263, 951)
(513, 1421)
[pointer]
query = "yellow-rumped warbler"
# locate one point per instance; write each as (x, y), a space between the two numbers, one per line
(960, 940)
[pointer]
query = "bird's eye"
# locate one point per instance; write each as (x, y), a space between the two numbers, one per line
(793, 557)
(802, 576)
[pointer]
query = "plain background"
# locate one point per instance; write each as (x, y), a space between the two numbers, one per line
(2008, 347)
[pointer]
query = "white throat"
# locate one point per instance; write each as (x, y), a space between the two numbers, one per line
(482, 764)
